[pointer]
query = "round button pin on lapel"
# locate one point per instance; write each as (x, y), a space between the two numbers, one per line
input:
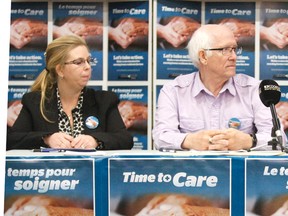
(92, 122)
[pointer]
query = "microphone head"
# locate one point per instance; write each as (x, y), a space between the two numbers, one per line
(269, 92)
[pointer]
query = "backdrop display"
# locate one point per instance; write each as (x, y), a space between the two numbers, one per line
(128, 40)
(240, 18)
(84, 20)
(176, 23)
(14, 107)
(28, 39)
(134, 111)
(144, 43)
(282, 108)
(273, 40)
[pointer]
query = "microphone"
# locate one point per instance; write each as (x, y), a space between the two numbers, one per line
(270, 94)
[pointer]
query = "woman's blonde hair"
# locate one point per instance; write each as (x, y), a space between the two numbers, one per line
(56, 54)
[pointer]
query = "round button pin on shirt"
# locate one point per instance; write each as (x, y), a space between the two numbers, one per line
(92, 122)
(234, 123)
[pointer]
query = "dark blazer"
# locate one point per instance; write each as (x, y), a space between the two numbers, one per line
(30, 126)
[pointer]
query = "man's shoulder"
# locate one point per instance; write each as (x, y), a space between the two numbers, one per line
(244, 80)
(183, 80)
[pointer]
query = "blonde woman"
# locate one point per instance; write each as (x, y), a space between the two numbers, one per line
(61, 112)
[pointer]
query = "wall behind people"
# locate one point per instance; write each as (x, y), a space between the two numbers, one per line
(137, 46)
(4, 64)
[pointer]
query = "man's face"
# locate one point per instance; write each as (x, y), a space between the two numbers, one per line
(222, 63)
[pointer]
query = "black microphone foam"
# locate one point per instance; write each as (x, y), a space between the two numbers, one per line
(269, 92)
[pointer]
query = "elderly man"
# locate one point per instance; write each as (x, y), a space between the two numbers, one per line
(214, 108)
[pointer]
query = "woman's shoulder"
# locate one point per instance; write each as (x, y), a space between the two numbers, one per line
(102, 95)
(32, 95)
(31, 98)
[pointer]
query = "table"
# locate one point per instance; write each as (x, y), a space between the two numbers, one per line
(117, 182)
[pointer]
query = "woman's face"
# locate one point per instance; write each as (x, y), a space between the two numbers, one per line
(77, 69)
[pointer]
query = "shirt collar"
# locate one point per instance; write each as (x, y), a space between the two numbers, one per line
(199, 86)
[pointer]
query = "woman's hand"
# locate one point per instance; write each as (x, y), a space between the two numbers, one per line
(58, 140)
(84, 141)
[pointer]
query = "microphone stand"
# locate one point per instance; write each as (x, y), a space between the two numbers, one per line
(276, 133)
(274, 142)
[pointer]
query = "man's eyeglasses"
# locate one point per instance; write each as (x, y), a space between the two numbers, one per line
(80, 61)
(226, 51)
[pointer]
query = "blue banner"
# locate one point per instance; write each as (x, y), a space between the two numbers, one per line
(240, 18)
(84, 19)
(133, 108)
(170, 180)
(45, 182)
(128, 41)
(28, 39)
(273, 41)
(176, 23)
